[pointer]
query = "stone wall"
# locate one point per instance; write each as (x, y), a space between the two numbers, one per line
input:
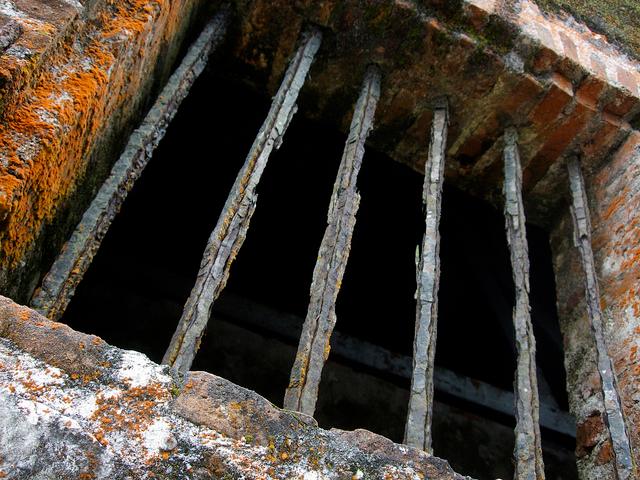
(74, 407)
(75, 83)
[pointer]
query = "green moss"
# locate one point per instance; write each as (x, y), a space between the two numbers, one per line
(500, 33)
(175, 390)
(619, 20)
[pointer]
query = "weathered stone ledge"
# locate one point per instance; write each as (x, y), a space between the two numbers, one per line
(72, 406)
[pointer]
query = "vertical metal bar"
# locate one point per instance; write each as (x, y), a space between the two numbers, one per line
(612, 404)
(59, 285)
(227, 237)
(418, 427)
(528, 449)
(313, 349)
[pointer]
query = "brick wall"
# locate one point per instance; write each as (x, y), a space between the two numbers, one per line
(614, 194)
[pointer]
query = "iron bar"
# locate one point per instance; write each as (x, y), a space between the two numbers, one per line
(228, 235)
(313, 348)
(418, 427)
(528, 450)
(59, 285)
(612, 405)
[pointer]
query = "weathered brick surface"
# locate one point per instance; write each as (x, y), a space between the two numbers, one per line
(70, 77)
(615, 202)
(480, 57)
(73, 407)
(73, 83)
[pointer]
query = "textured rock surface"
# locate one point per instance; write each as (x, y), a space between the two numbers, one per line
(72, 406)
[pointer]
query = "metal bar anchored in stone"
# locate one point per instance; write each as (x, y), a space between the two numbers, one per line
(313, 348)
(528, 450)
(612, 404)
(418, 428)
(59, 285)
(229, 233)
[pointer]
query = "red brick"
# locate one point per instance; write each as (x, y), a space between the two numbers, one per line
(559, 95)
(598, 66)
(627, 79)
(514, 101)
(570, 49)
(590, 90)
(555, 144)
(545, 36)
(623, 156)
(520, 98)
(622, 103)
(477, 16)
(612, 127)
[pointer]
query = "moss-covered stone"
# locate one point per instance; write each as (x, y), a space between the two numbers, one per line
(619, 20)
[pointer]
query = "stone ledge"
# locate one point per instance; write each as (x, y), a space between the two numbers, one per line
(72, 406)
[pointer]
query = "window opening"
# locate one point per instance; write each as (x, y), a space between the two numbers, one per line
(231, 228)
(133, 293)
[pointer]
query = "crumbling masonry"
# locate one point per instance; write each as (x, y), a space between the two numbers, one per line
(515, 103)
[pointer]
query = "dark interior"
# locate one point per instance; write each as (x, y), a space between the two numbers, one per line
(133, 293)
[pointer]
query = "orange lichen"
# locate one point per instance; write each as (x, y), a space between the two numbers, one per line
(131, 412)
(619, 202)
(46, 138)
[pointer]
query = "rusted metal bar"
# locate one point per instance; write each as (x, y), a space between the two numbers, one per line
(227, 237)
(612, 404)
(59, 285)
(418, 427)
(313, 348)
(528, 450)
